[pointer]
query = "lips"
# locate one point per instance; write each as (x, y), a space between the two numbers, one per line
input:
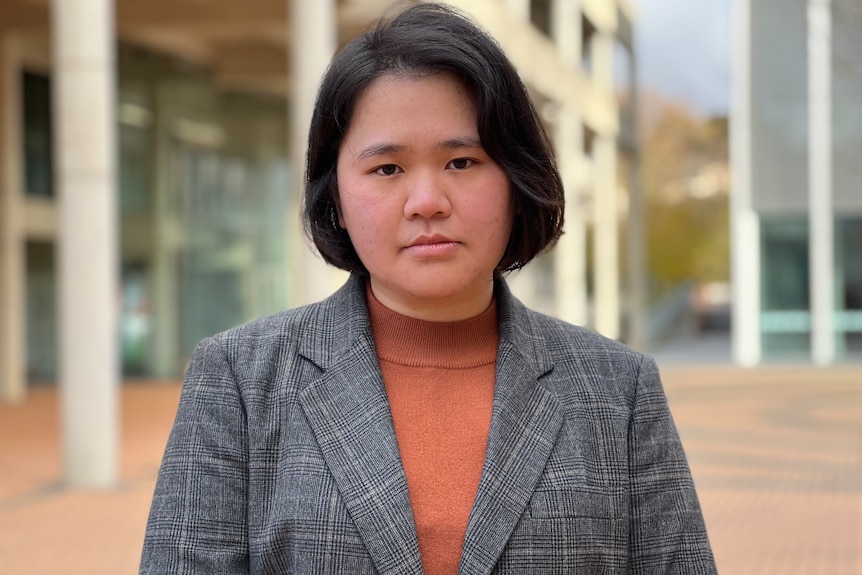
(435, 245)
(432, 239)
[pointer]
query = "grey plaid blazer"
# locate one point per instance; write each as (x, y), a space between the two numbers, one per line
(283, 457)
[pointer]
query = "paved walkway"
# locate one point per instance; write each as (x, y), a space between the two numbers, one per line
(776, 454)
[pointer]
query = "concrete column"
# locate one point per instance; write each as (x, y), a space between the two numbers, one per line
(519, 9)
(606, 254)
(570, 254)
(607, 264)
(745, 225)
(85, 173)
(313, 42)
(566, 30)
(821, 228)
(602, 61)
(167, 360)
(12, 267)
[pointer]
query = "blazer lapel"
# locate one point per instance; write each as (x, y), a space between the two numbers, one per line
(524, 427)
(348, 411)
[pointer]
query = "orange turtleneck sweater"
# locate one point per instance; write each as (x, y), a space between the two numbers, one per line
(439, 377)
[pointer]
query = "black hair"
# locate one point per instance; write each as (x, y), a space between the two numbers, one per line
(422, 40)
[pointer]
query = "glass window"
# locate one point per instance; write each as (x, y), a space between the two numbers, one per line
(38, 179)
(785, 297)
(136, 170)
(848, 273)
(135, 319)
(205, 193)
(41, 312)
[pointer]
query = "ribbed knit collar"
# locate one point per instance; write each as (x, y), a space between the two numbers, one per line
(418, 343)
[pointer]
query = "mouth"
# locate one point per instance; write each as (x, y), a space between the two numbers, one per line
(432, 246)
(431, 240)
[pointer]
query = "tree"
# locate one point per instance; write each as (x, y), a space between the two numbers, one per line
(686, 180)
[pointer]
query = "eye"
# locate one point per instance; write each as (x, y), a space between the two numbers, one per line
(460, 163)
(388, 170)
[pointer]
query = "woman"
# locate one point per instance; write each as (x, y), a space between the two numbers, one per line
(422, 419)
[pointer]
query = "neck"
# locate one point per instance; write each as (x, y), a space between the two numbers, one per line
(447, 308)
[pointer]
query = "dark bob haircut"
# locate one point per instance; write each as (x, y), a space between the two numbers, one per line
(423, 40)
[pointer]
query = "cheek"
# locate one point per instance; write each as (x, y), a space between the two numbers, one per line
(499, 210)
(349, 213)
(360, 216)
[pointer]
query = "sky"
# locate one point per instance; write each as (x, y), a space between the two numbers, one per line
(683, 48)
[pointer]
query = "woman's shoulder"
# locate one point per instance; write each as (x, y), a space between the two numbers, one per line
(587, 363)
(273, 328)
(531, 329)
(311, 331)
(569, 337)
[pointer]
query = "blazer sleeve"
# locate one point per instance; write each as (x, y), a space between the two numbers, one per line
(198, 520)
(668, 534)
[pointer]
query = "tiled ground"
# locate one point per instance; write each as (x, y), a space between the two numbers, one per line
(777, 458)
(776, 454)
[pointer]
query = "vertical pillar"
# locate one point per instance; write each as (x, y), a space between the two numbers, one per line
(566, 30)
(85, 149)
(313, 41)
(519, 9)
(607, 288)
(638, 336)
(12, 268)
(165, 274)
(820, 182)
(570, 254)
(745, 225)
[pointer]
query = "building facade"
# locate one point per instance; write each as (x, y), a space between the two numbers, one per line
(797, 189)
(150, 167)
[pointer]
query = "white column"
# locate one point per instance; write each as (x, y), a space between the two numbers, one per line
(12, 267)
(313, 41)
(519, 9)
(820, 182)
(570, 254)
(606, 260)
(745, 225)
(84, 120)
(602, 61)
(566, 31)
(571, 251)
(606, 254)
(164, 281)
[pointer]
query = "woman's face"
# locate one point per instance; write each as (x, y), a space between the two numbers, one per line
(428, 211)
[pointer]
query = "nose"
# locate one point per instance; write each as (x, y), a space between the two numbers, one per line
(427, 197)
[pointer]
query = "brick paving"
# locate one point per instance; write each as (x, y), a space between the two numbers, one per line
(776, 454)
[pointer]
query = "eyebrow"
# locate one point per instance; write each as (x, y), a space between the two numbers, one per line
(460, 142)
(379, 150)
(450, 144)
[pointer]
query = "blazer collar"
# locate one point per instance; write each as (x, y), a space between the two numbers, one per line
(346, 312)
(348, 411)
(336, 325)
(525, 423)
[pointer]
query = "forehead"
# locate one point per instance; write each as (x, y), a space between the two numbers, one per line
(407, 103)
